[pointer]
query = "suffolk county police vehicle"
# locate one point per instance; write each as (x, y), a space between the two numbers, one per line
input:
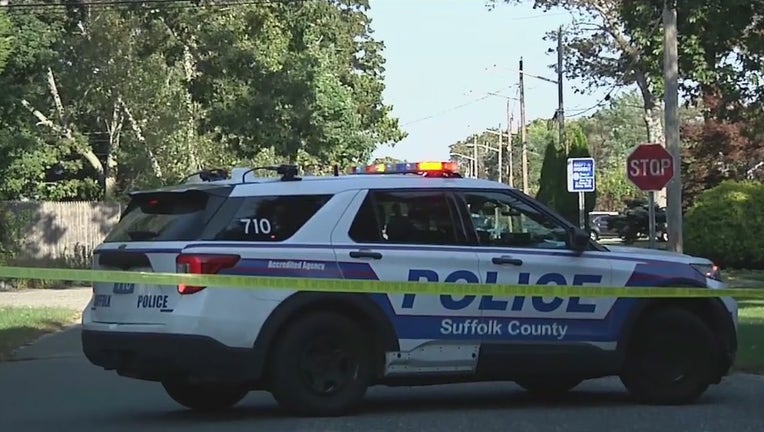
(318, 352)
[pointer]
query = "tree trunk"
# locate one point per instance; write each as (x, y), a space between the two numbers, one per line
(114, 127)
(653, 118)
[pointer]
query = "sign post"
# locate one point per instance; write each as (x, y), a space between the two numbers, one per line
(581, 179)
(650, 167)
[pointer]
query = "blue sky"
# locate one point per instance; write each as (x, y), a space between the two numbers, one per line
(440, 57)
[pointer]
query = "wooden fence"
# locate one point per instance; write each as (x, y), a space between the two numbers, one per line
(58, 230)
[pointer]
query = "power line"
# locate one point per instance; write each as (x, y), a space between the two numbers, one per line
(448, 110)
(619, 82)
(113, 3)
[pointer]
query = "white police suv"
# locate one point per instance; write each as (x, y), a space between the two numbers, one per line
(317, 352)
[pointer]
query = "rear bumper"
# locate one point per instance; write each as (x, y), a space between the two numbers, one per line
(161, 356)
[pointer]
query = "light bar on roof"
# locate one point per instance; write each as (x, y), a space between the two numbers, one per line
(407, 168)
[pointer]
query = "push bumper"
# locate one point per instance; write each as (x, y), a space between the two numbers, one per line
(161, 356)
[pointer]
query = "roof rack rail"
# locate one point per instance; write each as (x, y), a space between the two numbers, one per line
(209, 175)
(287, 172)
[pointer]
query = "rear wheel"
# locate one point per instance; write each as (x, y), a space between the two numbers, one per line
(205, 397)
(548, 387)
(321, 365)
(671, 358)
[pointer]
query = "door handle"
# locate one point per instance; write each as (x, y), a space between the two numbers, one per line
(365, 254)
(506, 260)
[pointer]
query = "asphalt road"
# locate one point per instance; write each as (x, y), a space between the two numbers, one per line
(61, 391)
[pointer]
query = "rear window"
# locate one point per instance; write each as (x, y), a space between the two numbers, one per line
(269, 218)
(165, 216)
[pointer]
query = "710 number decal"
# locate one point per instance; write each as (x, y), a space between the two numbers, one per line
(256, 226)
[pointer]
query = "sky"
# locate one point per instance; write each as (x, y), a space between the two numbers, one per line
(443, 57)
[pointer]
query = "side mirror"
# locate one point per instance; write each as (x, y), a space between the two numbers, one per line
(579, 240)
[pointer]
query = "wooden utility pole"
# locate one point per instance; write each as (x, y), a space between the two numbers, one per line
(671, 130)
(475, 157)
(500, 174)
(510, 156)
(523, 134)
(560, 105)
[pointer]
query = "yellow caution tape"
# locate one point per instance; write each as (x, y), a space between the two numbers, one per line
(368, 286)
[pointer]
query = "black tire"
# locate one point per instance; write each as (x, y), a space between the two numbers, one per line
(593, 235)
(205, 397)
(671, 359)
(548, 387)
(337, 382)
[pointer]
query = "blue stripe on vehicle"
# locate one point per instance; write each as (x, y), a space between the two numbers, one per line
(414, 248)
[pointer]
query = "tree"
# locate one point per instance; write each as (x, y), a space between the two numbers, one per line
(100, 99)
(720, 65)
(602, 52)
(311, 85)
(549, 178)
(553, 188)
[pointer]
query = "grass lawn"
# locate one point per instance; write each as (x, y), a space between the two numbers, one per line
(743, 278)
(751, 336)
(21, 325)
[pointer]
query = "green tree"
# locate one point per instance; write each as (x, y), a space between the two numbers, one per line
(549, 178)
(106, 99)
(553, 188)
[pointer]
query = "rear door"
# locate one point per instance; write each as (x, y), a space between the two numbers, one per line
(148, 238)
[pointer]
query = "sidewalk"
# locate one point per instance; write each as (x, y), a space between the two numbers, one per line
(71, 298)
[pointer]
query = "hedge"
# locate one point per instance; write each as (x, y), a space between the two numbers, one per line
(726, 225)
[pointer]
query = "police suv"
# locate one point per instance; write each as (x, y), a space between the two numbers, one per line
(318, 352)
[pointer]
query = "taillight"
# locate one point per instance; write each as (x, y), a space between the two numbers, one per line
(202, 264)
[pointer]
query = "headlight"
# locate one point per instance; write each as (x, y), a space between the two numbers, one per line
(709, 270)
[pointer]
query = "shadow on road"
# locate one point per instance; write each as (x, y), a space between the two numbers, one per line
(502, 397)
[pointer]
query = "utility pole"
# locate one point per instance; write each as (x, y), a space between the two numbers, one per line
(671, 130)
(500, 174)
(560, 107)
(511, 161)
(523, 134)
(475, 156)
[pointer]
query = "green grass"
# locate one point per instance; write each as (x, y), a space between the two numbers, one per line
(751, 336)
(21, 325)
(743, 278)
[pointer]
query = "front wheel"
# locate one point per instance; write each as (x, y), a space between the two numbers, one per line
(205, 397)
(671, 358)
(548, 387)
(321, 365)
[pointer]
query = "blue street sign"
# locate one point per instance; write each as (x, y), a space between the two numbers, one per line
(581, 175)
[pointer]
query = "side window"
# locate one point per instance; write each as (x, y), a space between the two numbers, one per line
(416, 217)
(271, 218)
(502, 220)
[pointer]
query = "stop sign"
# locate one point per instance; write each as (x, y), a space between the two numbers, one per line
(650, 167)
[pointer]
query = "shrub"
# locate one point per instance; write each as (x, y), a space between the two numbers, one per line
(726, 224)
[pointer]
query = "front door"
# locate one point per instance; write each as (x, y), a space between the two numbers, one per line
(520, 244)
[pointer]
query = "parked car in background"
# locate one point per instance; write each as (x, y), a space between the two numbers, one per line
(598, 226)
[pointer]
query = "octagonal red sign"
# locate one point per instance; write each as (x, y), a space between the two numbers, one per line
(650, 167)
